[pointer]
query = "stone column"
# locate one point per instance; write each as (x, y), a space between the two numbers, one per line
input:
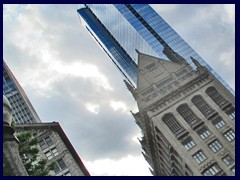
(11, 155)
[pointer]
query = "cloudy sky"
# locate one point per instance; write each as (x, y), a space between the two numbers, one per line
(69, 79)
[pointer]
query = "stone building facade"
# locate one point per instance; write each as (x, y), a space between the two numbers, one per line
(187, 118)
(55, 146)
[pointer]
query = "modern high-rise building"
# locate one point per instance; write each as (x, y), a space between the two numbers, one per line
(23, 111)
(186, 110)
(187, 118)
(121, 28)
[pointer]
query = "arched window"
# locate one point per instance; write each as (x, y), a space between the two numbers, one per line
(172, 123)
(201, 104)
(215, 96)
(187, 114)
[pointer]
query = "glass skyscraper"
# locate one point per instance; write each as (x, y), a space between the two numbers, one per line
(23, 111)
(120, 29)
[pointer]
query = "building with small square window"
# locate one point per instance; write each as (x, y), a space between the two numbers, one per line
(187, 118)
(55, 146)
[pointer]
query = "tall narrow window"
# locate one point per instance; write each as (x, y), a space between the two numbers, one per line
(172, 123)
(215, 96)
(187, 114)
(200, 103)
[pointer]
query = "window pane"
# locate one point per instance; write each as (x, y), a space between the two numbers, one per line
(172, 123)
(189, 143)
(215, 96)
(199, 157)
(54, 152)
(48, 140)
(49, 155)
(56, 168)
(229, 135)
(201, 104)
(62, 164)
(215, 146)
(219, 123)
(204, 133)
(231, 114)
(227, 159)
(212, 170)
(42, 144)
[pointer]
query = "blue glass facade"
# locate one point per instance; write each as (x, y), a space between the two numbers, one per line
(23, 111)
(138, 26)
(114, 50)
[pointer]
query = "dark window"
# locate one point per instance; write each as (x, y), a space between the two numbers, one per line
(231, 114)
(187, 114)
(45, 142)
(204, 133)
(227, 160)
(62, 164)
(56, 168)
(48, 141)
(172, 123)
(59, 166)
(200, 103)
(233, 169)
(215, 96)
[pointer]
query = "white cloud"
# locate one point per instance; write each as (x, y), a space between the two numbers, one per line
(52, 52)
(82, 70)
(94, 108)
(230, 11)
(164, 7)
(128, 165)
(119, 106)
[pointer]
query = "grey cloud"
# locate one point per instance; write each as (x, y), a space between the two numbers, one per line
(107, 134)
(206, 29)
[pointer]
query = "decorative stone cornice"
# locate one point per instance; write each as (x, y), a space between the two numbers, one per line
(179, 94)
